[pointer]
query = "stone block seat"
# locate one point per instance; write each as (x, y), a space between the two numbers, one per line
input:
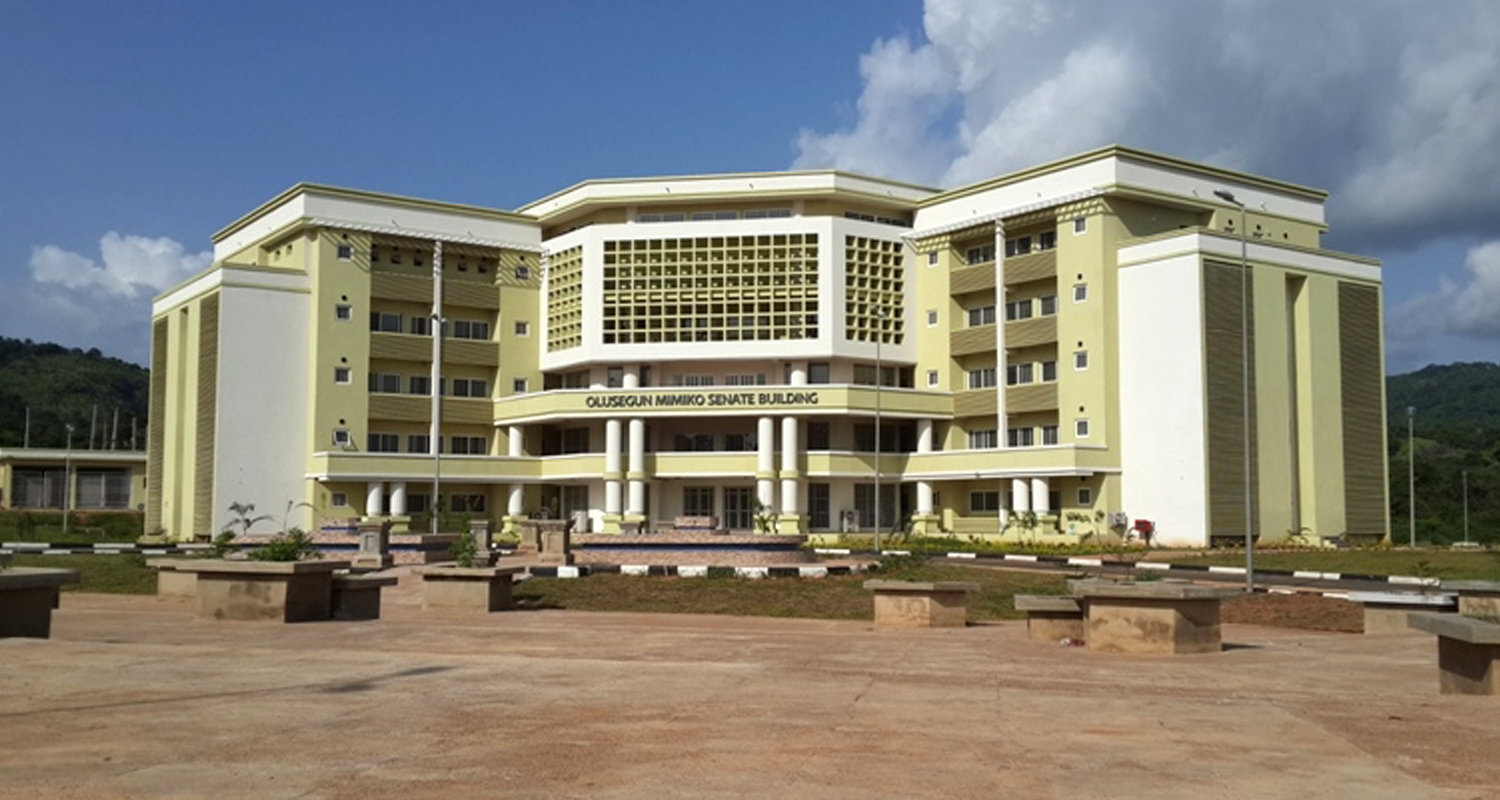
(357, 597)
(1476, 598)
(467, 588)
(285, 591)
(172, 583)
(27, 597)
(1468, 652)
(1386, 612)
(1052, 618)
(1151, 617)
(921, 604)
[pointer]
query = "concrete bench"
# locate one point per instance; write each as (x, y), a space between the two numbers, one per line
(27, 597)
(1151, 617)
(358, 596)
(285, 591)
(918, 604)
(1051, 618)
(1386, 612)
(171, 582)
(1468, 652)
(695, 523)
(467, 588)
(1476, 598)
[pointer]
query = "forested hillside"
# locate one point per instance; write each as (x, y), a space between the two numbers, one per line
(1457, 425)
(62, 386)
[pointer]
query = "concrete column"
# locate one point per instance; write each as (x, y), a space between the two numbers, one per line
(398, 499)
(799, 373)
(924, 498)
(517, 441)
(1040, 501)
(924, 435)
(1002, 418)
(1020, 496)
(790, 477)
(612, 470)
(517, 505)
(374, 492)
(632, 378)
(636, 474)
(765, 461)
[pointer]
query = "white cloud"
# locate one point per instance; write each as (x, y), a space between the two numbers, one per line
(1393, 106)
(132, 265)
(1469, 309)
(80, 301)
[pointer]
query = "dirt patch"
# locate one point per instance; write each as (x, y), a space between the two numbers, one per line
(1306, 611)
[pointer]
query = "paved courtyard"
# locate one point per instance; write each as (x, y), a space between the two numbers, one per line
(134, 697)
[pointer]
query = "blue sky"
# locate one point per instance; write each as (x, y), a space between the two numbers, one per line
(129, 133)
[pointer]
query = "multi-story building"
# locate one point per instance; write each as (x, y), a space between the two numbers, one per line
(1049, 354)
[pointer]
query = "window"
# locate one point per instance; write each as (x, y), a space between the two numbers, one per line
(932, 377)
(984, 502)
(385, 323)
(1049, 434)
(614, 377)
(932, 259)
(1085, 496)
(341, 375)
(817, 373)
(467, 504)
(385, 382)
(740, 442)
(987, 439)
(1049, 371)
(984, 315)
(468, 445)
(523, 273)
(982, 378)
(523, 328)
(932, 317)
(1081, 360)
(418, 384)
(471, 387)
(575, 440)
(382, 443)
(979, 255)
(698, 501)
(1017, 374)
(1047, 305)
(676, 216)
(1019, 309)
(341, 437)
(396, 257)
(758, 379)
(768, 213)
(470, 329)
(1019, 246)
(1046, 240)
(1080, 225)
(518, 386)
(339, 500)
(818, 506)
(343, 312)
(1081, 428)
(817, 436)
(421, 326)
(345, 252)
(710, 216)
(693, 443)
(418, 443)
(1019, 437)
(1080, 292)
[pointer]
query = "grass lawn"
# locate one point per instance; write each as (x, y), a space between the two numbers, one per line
(123, 574)
(1449, 564)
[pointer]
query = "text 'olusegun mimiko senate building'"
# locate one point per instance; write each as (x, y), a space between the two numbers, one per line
(1059, 354)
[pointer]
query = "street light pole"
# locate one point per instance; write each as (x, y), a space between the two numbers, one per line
(879, 379)
(435, 326)
(1466, 508)
(1245, 383)
(67, 481)
(1411, 476)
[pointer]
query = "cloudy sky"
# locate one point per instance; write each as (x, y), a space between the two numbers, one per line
(132, 132)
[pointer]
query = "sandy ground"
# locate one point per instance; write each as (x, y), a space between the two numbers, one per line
(135, 697)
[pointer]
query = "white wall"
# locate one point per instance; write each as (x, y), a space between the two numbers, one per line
(1163, 448)
(261, 453)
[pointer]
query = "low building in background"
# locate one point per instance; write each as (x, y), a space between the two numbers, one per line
(102, 480)
(1051, 355)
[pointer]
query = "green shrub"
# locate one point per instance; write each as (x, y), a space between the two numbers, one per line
(294, 545)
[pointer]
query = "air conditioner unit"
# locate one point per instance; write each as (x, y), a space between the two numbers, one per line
(1118, 519)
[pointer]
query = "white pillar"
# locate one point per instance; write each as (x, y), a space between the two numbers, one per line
(637, 466)
(398, 499)
(789, 476)
(632, 379)
(1020, 496)
(517, 506)
(517, 441)
(924, 435)
(799, 373)
(1040, 501)
(924, 498)
(612, 466)
(765, 461)
(374, 490)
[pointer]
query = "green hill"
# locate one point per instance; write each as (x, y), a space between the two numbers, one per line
(62, 386)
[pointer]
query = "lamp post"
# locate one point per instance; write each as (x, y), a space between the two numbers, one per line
(879, 379)
(1411, 477)
(67, 481)
(1466, 508)
(1245, 382)
(434, 508)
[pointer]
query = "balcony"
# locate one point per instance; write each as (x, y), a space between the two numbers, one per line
(418, 289)
(963, 280)
(1031, 267)
(418, 407)
(1030, 332)
(1032, 397)
(968, 341)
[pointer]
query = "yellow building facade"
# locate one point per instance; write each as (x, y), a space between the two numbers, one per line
(1050, 355)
